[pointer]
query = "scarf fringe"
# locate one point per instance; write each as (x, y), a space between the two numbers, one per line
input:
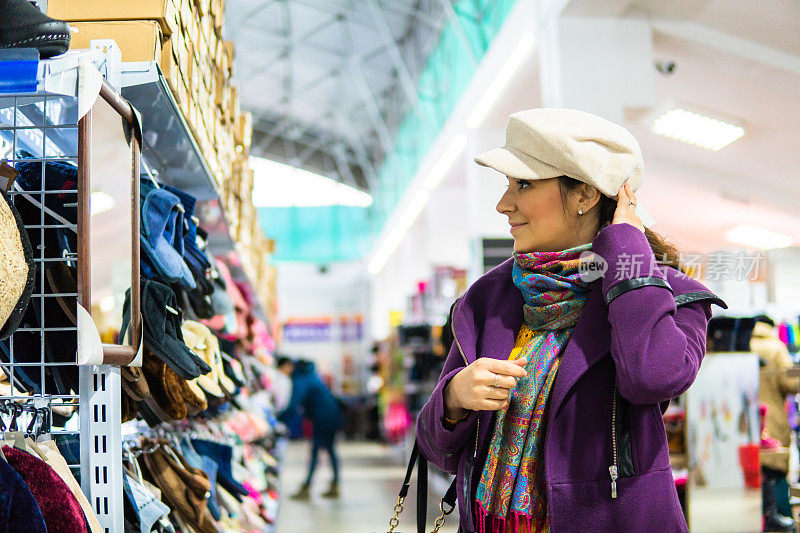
(516, 523)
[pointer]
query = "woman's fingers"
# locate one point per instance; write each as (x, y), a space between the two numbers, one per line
(631, 196)
(492, 393)
(623, 194)
(491, 405)
(625, 211)
(492, 379)
(505, 382)
(515, 368)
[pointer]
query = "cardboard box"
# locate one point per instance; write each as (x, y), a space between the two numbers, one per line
(246, 185)
(218, 12)
(207, 28)
(185, 100)
(220, 94)
(219, 53)
(163, 11)
(230, 51)
(233, 105)
(187, 13)
(209, 73)
(173, 17)
(192, 27)
(170, 67)
(244, 129)
(139, 40)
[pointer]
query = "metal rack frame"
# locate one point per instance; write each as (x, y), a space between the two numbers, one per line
(113, 354)
(25, 121)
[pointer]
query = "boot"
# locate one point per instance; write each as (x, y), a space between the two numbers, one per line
(22, 25)
(304, 494)
(773, 521)
(333, 491)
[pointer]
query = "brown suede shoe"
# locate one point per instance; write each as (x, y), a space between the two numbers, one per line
(134, 384)
(193, 395)
(128, 408)
(164, 387)
(184, 488)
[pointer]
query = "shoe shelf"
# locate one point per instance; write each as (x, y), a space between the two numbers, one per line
(169, 146)
(170, 149)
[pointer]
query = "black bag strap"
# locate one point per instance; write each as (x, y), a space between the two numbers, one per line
(447, 505)
(409, 470)
(422, 492)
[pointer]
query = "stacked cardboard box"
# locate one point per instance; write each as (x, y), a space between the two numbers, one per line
(185, 38)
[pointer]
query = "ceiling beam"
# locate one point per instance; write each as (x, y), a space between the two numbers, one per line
(371, 106)
(305, 146)
(403, 72)
(342, 166)
(389, 6)
(394, 7)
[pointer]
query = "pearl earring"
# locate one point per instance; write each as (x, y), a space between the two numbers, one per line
(580, 211)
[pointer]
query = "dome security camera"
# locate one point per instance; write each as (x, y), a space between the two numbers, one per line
(667, 68)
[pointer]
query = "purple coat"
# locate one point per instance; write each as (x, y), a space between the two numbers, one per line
(641, 341)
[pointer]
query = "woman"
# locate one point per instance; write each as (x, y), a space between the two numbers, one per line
(549, 406)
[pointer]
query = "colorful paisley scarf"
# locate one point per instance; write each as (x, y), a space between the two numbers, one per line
(511, 495)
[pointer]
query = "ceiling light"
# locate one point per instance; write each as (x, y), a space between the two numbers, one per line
(280, 185)
(414, 208)
(100, 202)
(758, 237)
(696, 128)
(386, 249)
(395, 237)
(501, 79)
(445, 162)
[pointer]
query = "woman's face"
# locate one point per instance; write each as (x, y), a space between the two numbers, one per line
(538, 219)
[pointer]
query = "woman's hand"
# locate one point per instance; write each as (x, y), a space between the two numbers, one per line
(626, 212)
(484, 385)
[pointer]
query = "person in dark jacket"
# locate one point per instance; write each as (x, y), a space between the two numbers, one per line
(321, 407)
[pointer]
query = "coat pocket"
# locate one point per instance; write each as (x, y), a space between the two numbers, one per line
(646, 502)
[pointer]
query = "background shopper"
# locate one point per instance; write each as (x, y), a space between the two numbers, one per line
(774, 387)
(322, 408)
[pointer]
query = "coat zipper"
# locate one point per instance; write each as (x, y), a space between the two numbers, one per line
(613, 469)
(466, 363)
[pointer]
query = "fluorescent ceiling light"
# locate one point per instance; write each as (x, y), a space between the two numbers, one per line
(386, 249)
(395, 237)
(414, 208)
(445, 162)
(758, 237)
(500, 81)
(696, 128)
(100, 202)
(279, 185)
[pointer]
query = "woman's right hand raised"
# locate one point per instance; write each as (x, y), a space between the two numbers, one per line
(484, 385)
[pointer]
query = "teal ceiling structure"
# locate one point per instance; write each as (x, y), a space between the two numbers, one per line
(356, 90)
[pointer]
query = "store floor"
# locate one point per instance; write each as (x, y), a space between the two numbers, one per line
(371, 476)
(725, 510)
